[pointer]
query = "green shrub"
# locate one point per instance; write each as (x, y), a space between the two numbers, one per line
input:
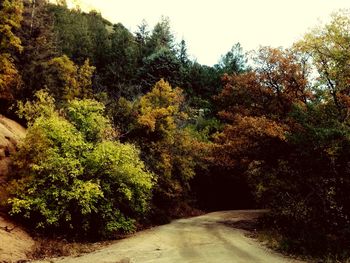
(72, 178)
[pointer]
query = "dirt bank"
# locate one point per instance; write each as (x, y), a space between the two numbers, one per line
(15, 243)
(10, 133)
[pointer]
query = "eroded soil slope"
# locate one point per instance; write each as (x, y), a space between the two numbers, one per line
(15, 243)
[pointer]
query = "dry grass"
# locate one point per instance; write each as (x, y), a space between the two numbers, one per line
(51, 248)
(275, 241)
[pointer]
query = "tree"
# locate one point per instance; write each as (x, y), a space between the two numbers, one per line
(167, 147)
(67, 81)
(160, 109)
(100, 38)
(162, 64)
(10, 19)
(73, 33)
(81, 35)
(234, 61)
(279, 81)
(329, 49)
(258, 103)
(256, 108)
(202, 83)
(161, 37)
(72, 177)
(119, 71)
(182, 53)
(39, 44)
(142, 37)
(289, 141)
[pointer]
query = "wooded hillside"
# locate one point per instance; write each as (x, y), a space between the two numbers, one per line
(124, 129)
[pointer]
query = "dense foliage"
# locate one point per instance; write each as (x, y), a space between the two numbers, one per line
(130, 130)
(72, 176)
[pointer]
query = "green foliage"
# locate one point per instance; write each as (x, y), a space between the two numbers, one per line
(44, 107)
(161, 37)
(119, 71)
(66, 81)
(10, 43)
(305, 188)
(39, 46)
(87, 117)
(124, 114)
(168, 148)
(71, 177)
(77, 36)
(162, 64)
(329, 49)
(234, 61)
(275, 125)
(201, 83)
(123, 176)
(10, 19)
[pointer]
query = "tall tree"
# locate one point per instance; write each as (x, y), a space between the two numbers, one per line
(234, 61)
(329, 48)
(161, 64)
(142, 37)
(161, 36)
(258, 104)
(74, 36)
(182, 53)
(66, 80)
(39, 45)
(120, 67)
(168, 148)
(10, 45)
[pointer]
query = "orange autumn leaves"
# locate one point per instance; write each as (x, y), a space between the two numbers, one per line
(172, 152)
(256, 104)
(160, 108)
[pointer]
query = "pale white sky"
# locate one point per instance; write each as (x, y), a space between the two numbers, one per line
(210, 28)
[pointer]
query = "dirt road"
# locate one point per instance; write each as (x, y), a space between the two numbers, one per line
(204, 239)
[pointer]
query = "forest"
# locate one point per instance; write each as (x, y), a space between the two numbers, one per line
(124, 130)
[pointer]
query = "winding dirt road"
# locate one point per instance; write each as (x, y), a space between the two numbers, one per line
(208, 238)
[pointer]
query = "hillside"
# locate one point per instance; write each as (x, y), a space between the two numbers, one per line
(10, 133)
(15, 243)
(126, 129)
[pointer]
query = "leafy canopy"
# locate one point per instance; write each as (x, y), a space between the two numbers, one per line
(72, 176)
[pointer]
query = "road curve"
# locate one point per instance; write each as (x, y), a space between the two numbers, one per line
(208, 238)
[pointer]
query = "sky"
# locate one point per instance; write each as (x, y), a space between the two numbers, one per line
(211, 27)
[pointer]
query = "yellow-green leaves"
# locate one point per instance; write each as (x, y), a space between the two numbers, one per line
(10, 78)
(169, 150)
(87, 116)
(160, 108)
(72, 175)
(43, 106)
(67, 81)
(329, 48)
(122, 173)
(86, 194)
(10, 18)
